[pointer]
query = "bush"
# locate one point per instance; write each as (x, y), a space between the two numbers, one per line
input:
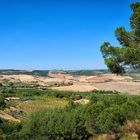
(2, 103)
(130, 110)
(92, 113)
(7, 129)
(109, 99)
(110, 120)
(56, 124)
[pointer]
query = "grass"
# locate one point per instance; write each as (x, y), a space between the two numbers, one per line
(129, 137)
(38, 104)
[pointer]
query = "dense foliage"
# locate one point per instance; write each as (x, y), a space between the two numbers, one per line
(7, 128)
(87, 72)
(2, 103)
(45, 72)
(62, 124)
(106, 113)
(118, 58)
(34, 72)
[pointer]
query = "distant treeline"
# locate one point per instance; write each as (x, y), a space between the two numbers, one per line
(88, 72)
(129, 72)
(34, 72)
(45, 72)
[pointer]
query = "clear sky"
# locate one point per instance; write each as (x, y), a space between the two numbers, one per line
(58, 34)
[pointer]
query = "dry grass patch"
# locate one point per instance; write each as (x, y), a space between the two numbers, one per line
(8, 117)
(36, 105)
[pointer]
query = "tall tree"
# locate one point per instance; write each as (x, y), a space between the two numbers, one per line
(118, 59)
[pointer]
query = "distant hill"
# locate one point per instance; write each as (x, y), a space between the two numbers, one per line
(45, 72)
(87, 72)
(133, 73)
(28, 72)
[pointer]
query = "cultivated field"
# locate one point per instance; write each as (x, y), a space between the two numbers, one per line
(66, 81)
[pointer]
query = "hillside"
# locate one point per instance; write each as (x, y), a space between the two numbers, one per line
(73, 80)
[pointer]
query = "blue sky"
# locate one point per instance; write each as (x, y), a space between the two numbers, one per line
(58, 34)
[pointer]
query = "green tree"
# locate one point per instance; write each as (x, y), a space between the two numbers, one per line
(128, 55)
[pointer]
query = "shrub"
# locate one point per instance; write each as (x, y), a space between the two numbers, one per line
(7, 128)
(110, 119)
(1, 85)
(2, 103)
(56, 124)
(109, 99)
(130, 110)
(92, 113)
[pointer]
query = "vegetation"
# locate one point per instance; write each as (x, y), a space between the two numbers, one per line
(87, 72)
(104, 114)
(6, 128)
(34, 72)
(2, 103)
(42, 103)
(45, 72)
(54, 115)
(117, 58)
